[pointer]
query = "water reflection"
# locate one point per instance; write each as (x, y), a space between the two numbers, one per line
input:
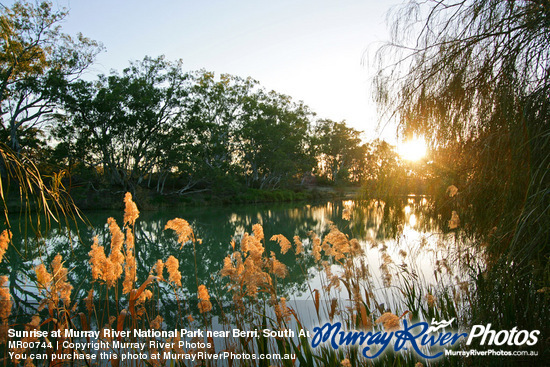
(389, 233)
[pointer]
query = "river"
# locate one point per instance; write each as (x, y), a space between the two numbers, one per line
(401, 241)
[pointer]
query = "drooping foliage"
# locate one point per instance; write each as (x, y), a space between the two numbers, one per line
(475, 80)
(476, 83)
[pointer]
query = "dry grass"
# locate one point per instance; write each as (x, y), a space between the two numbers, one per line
(251, 298)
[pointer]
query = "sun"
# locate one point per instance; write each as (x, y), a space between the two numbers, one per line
(413, 149)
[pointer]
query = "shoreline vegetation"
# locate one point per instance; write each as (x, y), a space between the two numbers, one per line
(152, 201)
(246, 296)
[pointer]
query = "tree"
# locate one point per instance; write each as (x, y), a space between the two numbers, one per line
(273, 140)
(476, 82)
(36, 60)
(190, 130)
(478, 75)
(385, 174)
(213, 117)
(127, 125)
(339, 151)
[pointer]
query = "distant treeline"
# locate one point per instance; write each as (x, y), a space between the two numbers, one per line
(157, 127)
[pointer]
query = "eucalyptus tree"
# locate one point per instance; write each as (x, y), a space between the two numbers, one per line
(36, 60)
(212, 120)
(385, 173)
(274, 141)
(339, 151)
(125, 126)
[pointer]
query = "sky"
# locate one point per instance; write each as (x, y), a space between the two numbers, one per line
(319, 52)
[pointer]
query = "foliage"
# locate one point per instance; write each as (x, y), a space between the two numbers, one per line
(212, 121)
(274, 140)
(126, 124)
(384, 171)
(36, 61)
(340, 151)
(186, 132)
(476, 81)
(152, 125)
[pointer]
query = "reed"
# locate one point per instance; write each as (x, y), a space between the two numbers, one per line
(249, 296)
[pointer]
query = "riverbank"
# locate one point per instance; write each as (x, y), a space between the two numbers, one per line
(105, 199)
(153, 201)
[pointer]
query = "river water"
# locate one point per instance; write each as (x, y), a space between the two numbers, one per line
(401, 240)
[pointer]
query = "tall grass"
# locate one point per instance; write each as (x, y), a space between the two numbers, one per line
(247, 295)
